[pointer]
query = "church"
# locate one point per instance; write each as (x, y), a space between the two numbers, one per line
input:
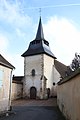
(42, 71)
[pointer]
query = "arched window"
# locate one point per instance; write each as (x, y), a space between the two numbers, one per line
(33, 72)
(53, 83)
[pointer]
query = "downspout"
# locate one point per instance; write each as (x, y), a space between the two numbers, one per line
(53, 77)
(9, 103)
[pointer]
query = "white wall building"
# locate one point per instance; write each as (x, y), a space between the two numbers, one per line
(5, 84)
(39, 68)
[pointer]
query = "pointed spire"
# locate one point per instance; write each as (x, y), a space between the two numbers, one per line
(40, 35)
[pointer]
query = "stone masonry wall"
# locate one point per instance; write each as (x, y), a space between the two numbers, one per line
(30, 63)
(17, 91)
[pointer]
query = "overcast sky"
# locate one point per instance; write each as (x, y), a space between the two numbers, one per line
(18, 26)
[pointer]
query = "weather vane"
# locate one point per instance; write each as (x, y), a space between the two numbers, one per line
(40, 11)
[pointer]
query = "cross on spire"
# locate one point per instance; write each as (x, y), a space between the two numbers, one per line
(39, 45)
(40, 11)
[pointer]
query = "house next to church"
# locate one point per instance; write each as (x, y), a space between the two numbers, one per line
(40, 68)
(5, 84)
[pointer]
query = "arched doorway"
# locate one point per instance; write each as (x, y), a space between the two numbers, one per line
(48, 92)
(33, 93)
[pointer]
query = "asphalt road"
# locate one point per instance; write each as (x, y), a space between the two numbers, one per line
(34, 113)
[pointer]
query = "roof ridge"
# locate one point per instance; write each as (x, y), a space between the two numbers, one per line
(5, 62)
(61, 63)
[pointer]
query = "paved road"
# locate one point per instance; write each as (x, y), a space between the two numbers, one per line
(26, 112)
(23, 102)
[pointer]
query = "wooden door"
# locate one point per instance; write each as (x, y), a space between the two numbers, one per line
(33, 93)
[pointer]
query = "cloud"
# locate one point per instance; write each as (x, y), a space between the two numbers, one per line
(20, 33)
(17, 61)
(3, 43)
(13, 13)
(12, 17)
(14, 58)
(61, 33)
(63, 37)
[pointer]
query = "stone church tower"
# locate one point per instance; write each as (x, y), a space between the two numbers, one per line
(38, 67)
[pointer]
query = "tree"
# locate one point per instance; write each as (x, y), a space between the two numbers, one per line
(74, 65)
(75, 62)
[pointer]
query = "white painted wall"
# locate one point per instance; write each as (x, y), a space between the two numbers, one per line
(68, 98)
(48, 71)
(5, 89)
(51, 74)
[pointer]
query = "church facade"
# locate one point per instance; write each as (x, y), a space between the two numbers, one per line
(40, 73)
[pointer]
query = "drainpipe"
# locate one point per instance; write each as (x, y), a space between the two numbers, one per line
(53, 78)
(9, 103)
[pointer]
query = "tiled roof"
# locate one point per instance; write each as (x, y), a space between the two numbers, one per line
(4, 62)
(61, 68)
(40, 48)
(68, 78)
(17, 79)
(39, 45)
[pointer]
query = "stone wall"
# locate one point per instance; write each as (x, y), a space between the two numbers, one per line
(17, 91)
(30, 63)
(45, 75)
(68, 96)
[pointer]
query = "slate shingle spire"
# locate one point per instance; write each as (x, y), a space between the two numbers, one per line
(39, 45)
(40, 34)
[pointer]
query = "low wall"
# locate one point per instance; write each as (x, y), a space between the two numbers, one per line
(17, 91)
(68, 97)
